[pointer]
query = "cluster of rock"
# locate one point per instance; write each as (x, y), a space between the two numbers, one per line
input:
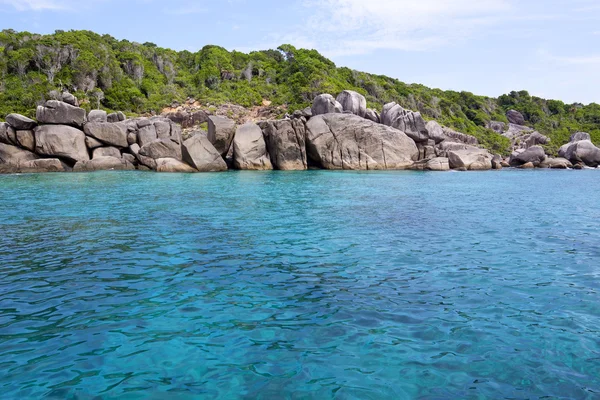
(335, 133)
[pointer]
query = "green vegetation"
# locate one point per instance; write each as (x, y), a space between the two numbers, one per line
(140, 78)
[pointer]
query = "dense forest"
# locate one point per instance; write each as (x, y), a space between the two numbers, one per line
(141, 78)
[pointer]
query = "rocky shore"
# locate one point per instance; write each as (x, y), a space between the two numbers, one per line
(335, 133)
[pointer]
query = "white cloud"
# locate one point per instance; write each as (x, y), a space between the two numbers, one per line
(39, 5)
(339, 27)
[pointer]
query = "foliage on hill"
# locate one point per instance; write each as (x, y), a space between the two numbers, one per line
(140, 78)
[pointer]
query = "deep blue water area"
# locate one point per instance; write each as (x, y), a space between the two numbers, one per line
(319, 284)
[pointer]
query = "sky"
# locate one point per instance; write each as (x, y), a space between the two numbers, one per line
(489, 47)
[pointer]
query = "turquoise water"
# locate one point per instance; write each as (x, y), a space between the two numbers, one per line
(316, 284)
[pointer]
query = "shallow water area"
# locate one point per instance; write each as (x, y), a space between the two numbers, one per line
(318, 284)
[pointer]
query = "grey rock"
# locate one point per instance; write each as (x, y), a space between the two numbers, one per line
(199, 153)
(435, 132)
(515, 117)
(106, 152)
(131, 138)
(121, 116)
(112, 134)
(534, 155)
(162, 148)
(43, 165)
(472, 160)
(372, 115)
(220, 133)
(250, 149)
(143, 122)
(129, 158)
(60, 113)
(459, 137)
(146, 161)
(556, 163)
(325, 104)
(103, 164)
(409, 122)
(10, 154)
(163, 129)
(584, 152)
(26, 139)
(112, 117)
(536, 139)
(146, 134)
(20, 122)
(286, 144)
(349, 142)
(497, 126)
(61, 141)
(7, 134)
(576, 137)
(173, 165)
(97, 116)
(70, 99)
(92, 143)
(438, 164)
(353, 102)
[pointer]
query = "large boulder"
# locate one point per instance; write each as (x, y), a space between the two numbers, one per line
(146, 134)
(250, 149)
(435, 132)
(172, 165)
(106, 152)
(409, 122)
(60, 113)
(26, 139)
(8, 134)
(346, 141)
(286, 143)
(92, 143)
(556, 163)
(113, 134)
(576, 137)
(13, 155)
(199, 152)
(163, 129)
(473, 160)
(146, 161)
(438, 164)
(61, 141)
(70, 99)
(534, 155)
(325, 104)
(497, 126)
(103, 164)
(43, 165)
(112, 117)
(20, 122)
(585, 152)
(220, 133)
(373, 115)
(353, 102)
(162, 148)
(515, 117)
(98, 116)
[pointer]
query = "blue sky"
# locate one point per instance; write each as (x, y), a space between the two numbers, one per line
(488, 47)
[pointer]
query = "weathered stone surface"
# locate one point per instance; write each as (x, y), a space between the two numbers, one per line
(106, 152)
(473, 160)
(220, 133)
(130, 158)
(438, 164)
(10, 154)
(61, 141)
(459, 137)
(325, 104)
(60, 113)
(199, 153)
(372, 115)
(172, 165)
(109, 133)
(528, 165)
(353, 102)
(188, 119)
(534, 155)
(143, 122)
(163, 129)
(147, 161)
(43, 165)
(162, 148)
(97, 116)
(103, 164)
(7, 134)
(286, 144)
(20, 122)
(346, 141)
(585, 152)
(444, 147)
(576, 137)
(435, 132)
(497, 162)
(92, 143)
(121, 116)
(112, 117)
(409, 122)
(70, 99)
(250, 149)
(497, 126)
(146, 134)
(26, 139)
(515, 117)
(131, 138)
(556, 163)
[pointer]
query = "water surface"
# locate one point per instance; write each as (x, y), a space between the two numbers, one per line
(380, 285)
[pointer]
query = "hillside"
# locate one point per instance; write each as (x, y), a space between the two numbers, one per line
(143, 78)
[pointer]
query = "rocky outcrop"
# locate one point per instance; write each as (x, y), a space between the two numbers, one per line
(61, 141)
(173, 165)
(199, 153)
(346, 141)
(10, 154)
(578, 136)
(286, 143)
(103, 164)
(325, 104)
(523, 137)
(515, 117)
(470, 160)
(60, 113)
(221, 131)
(26, 139)
(34, 166)
(585, 152)
(534, 155)
(435, 132)
(106, 152)
(97, 116)
(69, 99)
(162, 148)
(438, 164)
(112, 134)
(353, 102)
(250, 149)
(8, 134)
(409, 122)
(20, 122)
(373, 115)
(556, 163)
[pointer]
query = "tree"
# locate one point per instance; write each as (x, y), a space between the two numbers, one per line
(50, 59)
(99, 96)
